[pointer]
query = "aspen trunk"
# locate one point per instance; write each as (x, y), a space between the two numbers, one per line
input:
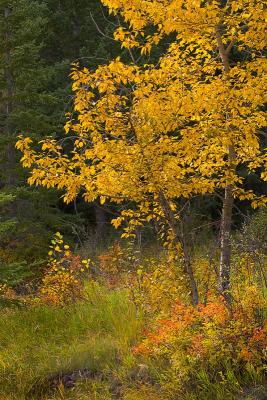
(189, 271)
(225, 235)
(225, 244)
(228, 202)
(179, 238)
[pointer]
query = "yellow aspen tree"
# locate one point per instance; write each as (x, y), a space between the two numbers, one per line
(155, 133)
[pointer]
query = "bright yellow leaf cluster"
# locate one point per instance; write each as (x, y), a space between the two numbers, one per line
(63, 280)
(179, 128)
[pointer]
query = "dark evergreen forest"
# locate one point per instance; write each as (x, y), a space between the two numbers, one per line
(39, 42)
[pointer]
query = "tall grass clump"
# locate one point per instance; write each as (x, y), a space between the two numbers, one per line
(39, 343)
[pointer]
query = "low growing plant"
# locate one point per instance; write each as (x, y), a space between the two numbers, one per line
(208, 342)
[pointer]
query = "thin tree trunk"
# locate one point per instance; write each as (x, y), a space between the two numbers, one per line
(228, 201)
(180, 239)
(225, 244)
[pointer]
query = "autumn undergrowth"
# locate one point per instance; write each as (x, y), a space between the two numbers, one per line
(122, 327)
(39, 343)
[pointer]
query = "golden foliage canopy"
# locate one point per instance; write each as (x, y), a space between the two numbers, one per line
(181, 127)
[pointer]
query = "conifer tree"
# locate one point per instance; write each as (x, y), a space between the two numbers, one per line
(5, 224)
(27, 104)
(21, 74)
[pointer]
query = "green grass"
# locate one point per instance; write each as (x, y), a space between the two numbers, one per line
(96, 390)
(97, 334)
(41, 342)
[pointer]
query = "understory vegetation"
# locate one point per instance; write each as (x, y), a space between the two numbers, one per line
(121, 326)
(133, 182)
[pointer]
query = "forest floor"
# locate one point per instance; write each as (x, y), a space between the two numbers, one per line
(80, 352)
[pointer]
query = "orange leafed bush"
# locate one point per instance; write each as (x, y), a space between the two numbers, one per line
(209, 335)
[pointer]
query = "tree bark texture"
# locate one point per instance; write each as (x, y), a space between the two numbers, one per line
(225, 244)
(228, 201)
(180, 239)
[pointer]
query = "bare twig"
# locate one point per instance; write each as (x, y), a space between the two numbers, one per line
(99, 30)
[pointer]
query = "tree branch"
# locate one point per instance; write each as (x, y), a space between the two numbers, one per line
(222, 51)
